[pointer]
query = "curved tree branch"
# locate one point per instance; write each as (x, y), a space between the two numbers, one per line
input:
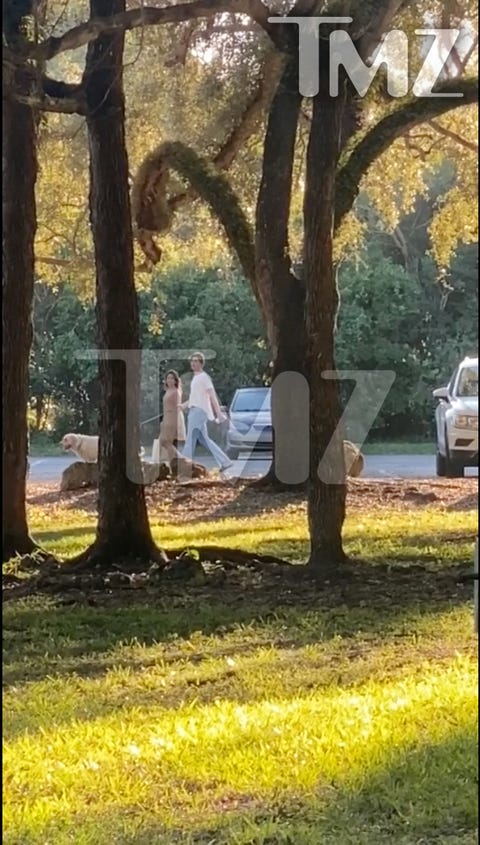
(273, 264)
(454, 136)
(253, 113)
(26, 83)
(86, 32)
(149, 201)
(52, 95)
(391, 127)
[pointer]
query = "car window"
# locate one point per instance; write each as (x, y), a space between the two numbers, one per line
(251, 401)
(468, 381)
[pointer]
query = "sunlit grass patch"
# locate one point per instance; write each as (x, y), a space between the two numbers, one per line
(319, 746)
(227, 718)
(247, 663)
(429, 534)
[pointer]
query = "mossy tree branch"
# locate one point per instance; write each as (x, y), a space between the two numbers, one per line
(149, 202)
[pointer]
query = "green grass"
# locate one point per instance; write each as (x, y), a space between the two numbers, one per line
(393, 536)
(42, 445)
(244, 716)
(399, 447)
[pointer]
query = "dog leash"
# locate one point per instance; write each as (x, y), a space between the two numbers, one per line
(157, 417)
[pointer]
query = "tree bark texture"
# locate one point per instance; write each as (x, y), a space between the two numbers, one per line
(19, 166)
(327, 490)
(123, 528)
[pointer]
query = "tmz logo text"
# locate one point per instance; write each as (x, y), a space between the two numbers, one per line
(393, 53)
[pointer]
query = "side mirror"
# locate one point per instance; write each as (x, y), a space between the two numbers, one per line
(441, 393)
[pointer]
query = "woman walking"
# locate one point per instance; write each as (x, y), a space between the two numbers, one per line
(172, 428)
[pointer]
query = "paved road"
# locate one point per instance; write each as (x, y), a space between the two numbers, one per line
(376, 466)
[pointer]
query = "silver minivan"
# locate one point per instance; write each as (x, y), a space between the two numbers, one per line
(250, 421)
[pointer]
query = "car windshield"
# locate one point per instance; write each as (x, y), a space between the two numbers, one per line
(468, 381)
(251, 401)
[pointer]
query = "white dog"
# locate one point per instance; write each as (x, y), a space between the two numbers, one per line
(85, 446)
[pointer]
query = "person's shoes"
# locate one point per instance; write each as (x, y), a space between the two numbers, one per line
(223, 471)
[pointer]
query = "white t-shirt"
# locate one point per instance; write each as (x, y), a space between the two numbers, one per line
(199, 398)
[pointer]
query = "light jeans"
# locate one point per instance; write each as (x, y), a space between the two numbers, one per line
(197, 433)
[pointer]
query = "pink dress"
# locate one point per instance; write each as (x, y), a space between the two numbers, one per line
(172, 427)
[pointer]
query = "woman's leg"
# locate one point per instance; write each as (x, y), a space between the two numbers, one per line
(167, 444)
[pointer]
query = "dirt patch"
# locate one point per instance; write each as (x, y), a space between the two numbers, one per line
(214, 499)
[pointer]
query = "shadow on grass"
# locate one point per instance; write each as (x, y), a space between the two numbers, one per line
(64, 533)
(423, 793)
(386, 493)
(298, 548)
(44, 636)
(220, 532)
(420, 795)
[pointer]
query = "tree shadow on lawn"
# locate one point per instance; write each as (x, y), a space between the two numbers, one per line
(220, 532)
(425, 794)
(431, 538)
(64, 533)
(50, 635)
(200, 502)
(362, 495)
(422, 793)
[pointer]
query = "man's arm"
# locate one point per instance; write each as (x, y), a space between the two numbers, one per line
(220, 416)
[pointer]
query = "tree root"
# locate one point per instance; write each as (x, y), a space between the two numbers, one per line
(92, 560)
(209, 567)
(216, 554)
(100, 558)
(14, 546)
(90, 572)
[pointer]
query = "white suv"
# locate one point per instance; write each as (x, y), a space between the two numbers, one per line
(456, 418)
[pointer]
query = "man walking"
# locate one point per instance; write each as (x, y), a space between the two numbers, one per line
(203, 406)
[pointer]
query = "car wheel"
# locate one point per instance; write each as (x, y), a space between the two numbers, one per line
(233, 453)
(453, 469)
(441, 464)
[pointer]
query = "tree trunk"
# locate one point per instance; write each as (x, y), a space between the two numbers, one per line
(123, 529)
(327, 490)
(19, 226)
(282, 294)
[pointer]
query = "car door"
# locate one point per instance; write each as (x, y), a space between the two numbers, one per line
(440, 412)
